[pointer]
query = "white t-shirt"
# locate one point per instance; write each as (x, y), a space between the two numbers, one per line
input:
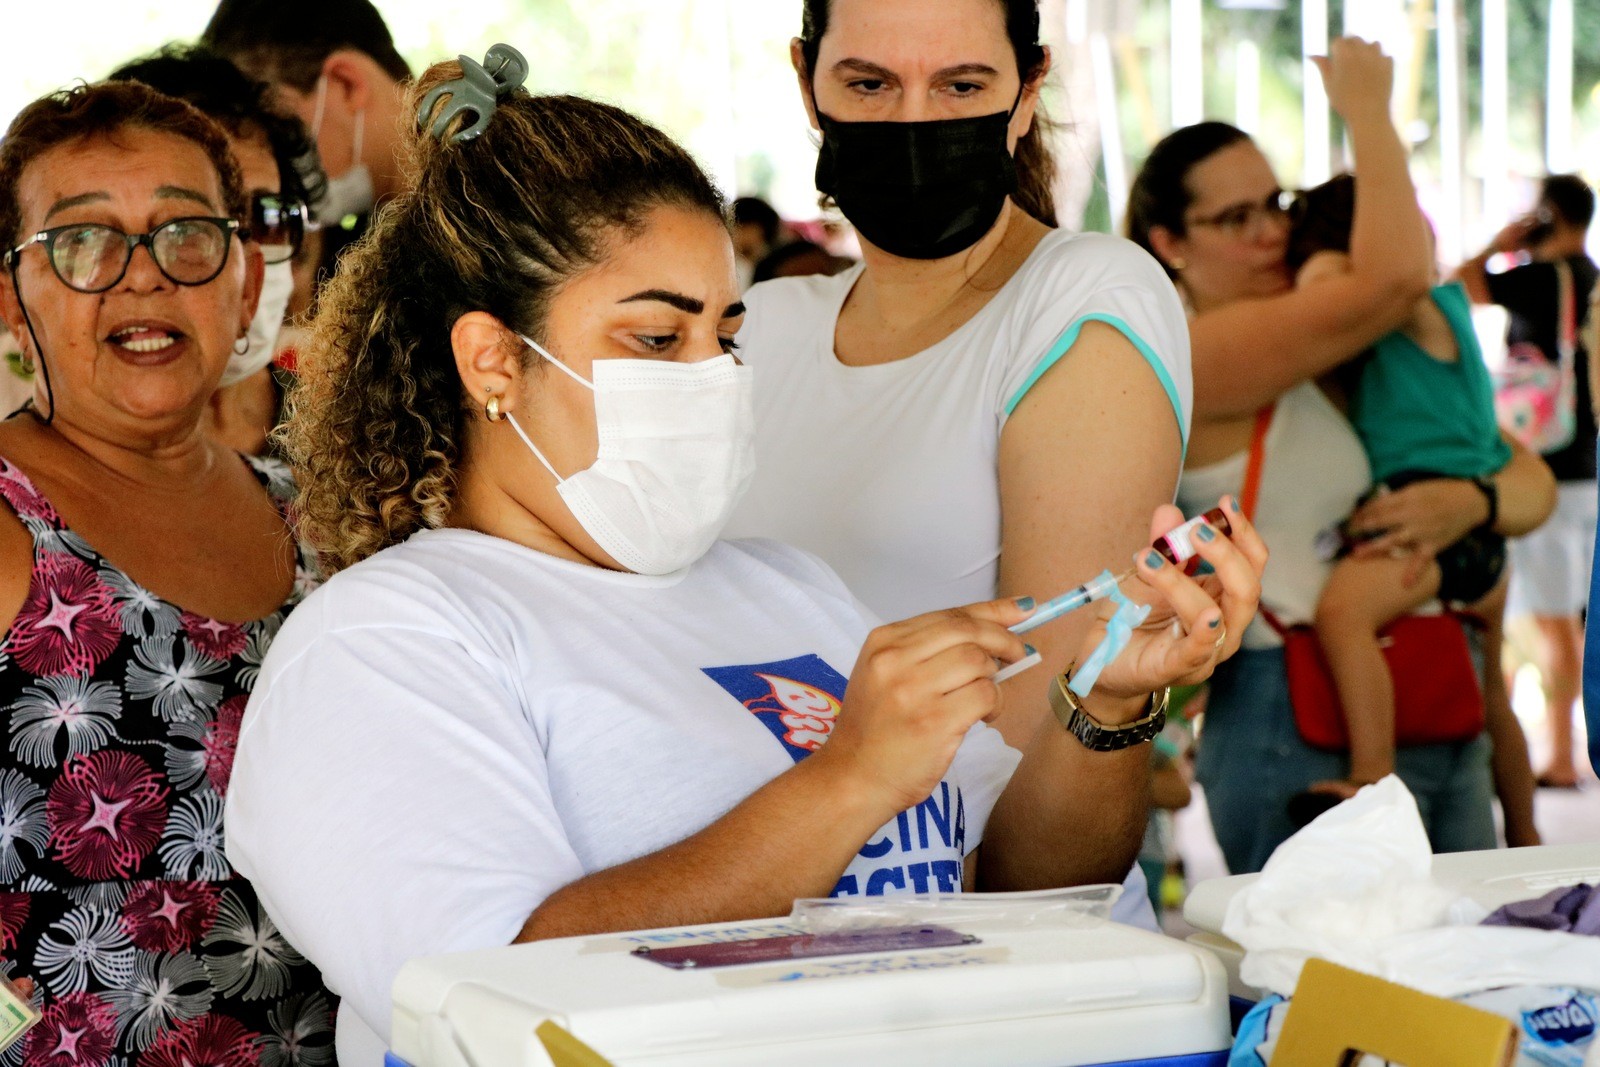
(890, 473)
(450, 731)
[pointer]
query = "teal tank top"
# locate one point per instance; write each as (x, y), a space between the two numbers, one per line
(1415, 413)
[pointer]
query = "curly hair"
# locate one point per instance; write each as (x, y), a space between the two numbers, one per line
(496, 224)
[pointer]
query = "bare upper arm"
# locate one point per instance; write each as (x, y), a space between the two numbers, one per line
(16, 566)
(1085, 459)
(1251, 352)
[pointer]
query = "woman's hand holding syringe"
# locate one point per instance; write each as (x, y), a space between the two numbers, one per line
(1181, 548)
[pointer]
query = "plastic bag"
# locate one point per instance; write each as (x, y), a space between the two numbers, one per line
(1354, 887)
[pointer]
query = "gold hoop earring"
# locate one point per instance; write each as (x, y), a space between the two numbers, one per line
(491, 409)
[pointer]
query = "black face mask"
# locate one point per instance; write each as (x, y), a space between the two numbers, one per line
(919, 190)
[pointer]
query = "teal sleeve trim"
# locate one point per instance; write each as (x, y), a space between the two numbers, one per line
(1070, 338)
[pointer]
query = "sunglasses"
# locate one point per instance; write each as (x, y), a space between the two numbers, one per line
(278, 225)
(91, 257)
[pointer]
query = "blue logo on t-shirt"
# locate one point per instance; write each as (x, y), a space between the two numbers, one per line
(797, 699)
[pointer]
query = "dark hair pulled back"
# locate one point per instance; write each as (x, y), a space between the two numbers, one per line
(496, 224)
(241, 104)
(1160, 195)
(1035, 162)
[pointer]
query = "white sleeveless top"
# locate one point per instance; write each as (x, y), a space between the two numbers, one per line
(1313, 473)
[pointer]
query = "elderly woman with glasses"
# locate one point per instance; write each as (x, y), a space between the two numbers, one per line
(144, 570)
(281, 177)
(1266, 356)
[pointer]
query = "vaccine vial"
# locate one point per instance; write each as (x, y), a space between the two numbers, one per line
(1178, 545)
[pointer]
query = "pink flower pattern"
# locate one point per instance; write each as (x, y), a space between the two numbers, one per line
(107, 811)
(213, 638)
(78, 1028)
(222, 738)
(93, 904)
(210, 1041)
(14, 909)
(69, 623)
(170, 916)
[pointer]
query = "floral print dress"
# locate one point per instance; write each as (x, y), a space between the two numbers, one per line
(122, 713)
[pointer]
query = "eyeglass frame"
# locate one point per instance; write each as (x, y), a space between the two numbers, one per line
(1279, 205)
(293, 207)
(231, 228)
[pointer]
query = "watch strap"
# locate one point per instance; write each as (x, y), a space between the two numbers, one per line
(1098, 737)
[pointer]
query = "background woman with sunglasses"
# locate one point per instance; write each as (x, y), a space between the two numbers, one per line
(1207, 204)
(144, 570)
(281, 176)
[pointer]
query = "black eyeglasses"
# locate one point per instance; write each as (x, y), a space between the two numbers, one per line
(278, 225)
(91, 257)
(1248, 220)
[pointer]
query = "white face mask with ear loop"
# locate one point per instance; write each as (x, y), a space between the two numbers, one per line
(277, 286)
(351, 193)
(677, 451)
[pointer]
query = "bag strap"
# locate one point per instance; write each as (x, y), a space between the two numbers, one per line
(1566, 316)
(1250, 495)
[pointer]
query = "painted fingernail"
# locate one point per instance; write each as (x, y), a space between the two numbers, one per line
(1231, 503)
(1025, 603)
(1204, 570)
(1154, 560)
(1030, 650)
(1216, 622)
(1206, 533)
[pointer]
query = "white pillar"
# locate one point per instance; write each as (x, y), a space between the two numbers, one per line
(1188, 60)
(1558, 154)
(1452, 154)
(1105, 94)
(1317, 167)
(1496, 146)
(1247, 87)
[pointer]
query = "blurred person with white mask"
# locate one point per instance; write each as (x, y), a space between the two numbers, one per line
(281, 178)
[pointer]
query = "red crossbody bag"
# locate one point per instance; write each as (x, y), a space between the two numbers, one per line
(1437, 695)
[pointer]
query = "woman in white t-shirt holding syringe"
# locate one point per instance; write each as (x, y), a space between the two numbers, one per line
(540, 699)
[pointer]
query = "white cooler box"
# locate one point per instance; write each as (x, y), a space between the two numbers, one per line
(1492, 878)
(1046, 996)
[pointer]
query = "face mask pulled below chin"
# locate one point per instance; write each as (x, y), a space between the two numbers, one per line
(277, 286)
(677, 451)
(918, 190)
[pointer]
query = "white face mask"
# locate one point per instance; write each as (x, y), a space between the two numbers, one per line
(351, 193)
(277, 285)
(677, 451)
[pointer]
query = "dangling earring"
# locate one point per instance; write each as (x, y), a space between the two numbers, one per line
(242, 345)
(491, 409)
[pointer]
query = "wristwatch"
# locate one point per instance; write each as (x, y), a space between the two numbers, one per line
(1491, 493)
(1097, 737)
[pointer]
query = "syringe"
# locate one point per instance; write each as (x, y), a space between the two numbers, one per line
(1177, 546)
(1096, 588)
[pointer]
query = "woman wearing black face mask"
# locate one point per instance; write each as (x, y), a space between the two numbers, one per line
(988, 406)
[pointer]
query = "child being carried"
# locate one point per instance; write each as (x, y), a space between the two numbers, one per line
(1422, 402)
